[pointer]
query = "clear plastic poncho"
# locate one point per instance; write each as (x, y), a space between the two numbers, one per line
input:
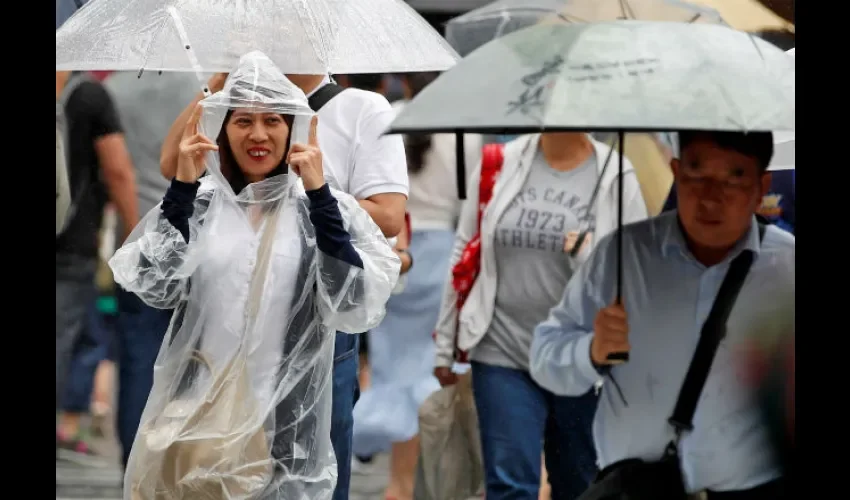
(241, 400)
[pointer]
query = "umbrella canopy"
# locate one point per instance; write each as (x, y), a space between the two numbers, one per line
(632, 75)
(785, 143)
(65, 8)
(301, 37)
(475, 28)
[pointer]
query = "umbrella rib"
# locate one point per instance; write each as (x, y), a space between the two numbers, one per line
(154, 38)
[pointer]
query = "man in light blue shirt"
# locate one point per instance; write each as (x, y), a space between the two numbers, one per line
(672, 269)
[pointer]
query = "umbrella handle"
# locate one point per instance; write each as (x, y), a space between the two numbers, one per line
(190, 52)
(616, 358)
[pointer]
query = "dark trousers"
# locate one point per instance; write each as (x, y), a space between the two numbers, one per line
(518, 422)
(346, 392)
(75, 294)
(94, 344)
(141, 330)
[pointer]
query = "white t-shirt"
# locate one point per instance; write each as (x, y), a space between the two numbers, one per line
(357, 158)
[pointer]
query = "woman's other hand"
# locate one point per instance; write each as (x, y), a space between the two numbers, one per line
(193, 146)
(306, 159)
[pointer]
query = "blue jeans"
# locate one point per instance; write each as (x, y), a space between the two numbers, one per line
(141, 329)
(515, 417)
(346, 391)
(92, 346)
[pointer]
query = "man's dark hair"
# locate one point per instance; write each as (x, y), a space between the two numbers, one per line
(782, 38)
(366, 81)
(758, 145)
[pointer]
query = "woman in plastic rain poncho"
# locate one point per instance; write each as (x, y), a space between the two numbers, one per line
(262, 267)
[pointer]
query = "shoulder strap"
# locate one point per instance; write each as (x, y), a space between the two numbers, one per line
(492, 159)
(83, 184)
(713, 331)
(258, 276)
(323, 96)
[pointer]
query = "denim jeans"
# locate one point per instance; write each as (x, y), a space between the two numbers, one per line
(346, 391)
(515, 417)
(93, 346)
(141, 329)
(75, 295)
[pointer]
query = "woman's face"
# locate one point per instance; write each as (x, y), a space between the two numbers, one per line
(258, 142)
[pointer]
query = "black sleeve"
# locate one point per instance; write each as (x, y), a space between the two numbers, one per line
(331, 237)
(178, 205)
(95, 99)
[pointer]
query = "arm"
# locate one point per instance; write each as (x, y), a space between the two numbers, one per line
(357, 268)
(379, 178)
(155, 263)
(119, 177)
(444, 332)
(387, 210)
(113, 159)
(171, 143)
(560, 351)
(401, 249)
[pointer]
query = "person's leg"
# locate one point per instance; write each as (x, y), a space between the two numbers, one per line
(88, 352)
(512, 412)
(141, 329)
(570, 452)
(403, 458)
(346, 391)
(75, 292)
(102, 325)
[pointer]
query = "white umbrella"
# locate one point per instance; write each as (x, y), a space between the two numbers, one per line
(300, 36)
(784, 145)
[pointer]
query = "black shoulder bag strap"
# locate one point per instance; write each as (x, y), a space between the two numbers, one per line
(713, 331)
(323, 96)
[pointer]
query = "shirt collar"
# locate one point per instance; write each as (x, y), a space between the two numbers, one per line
(674, 239)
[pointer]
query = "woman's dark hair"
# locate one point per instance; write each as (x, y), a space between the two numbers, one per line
(757, 145)
(230, 169)
(417, 145)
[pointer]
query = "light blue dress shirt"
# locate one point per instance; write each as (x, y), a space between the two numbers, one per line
(667, 295)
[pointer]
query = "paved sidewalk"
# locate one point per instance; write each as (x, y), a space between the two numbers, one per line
(100, 478)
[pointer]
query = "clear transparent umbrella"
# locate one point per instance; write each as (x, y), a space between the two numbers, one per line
(300, 36)
(473, 29)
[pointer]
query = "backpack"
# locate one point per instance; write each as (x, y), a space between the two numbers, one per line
(66, 200)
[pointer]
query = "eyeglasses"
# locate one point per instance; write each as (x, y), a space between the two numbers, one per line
(728, 187)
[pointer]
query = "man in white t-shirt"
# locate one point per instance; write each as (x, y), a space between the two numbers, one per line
(370, 167)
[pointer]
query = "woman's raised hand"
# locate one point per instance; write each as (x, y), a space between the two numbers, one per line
(306, 159)
(193, 146)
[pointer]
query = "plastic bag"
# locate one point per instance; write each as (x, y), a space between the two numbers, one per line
(450, 464)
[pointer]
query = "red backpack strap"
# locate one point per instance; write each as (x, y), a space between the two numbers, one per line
(492, 159)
